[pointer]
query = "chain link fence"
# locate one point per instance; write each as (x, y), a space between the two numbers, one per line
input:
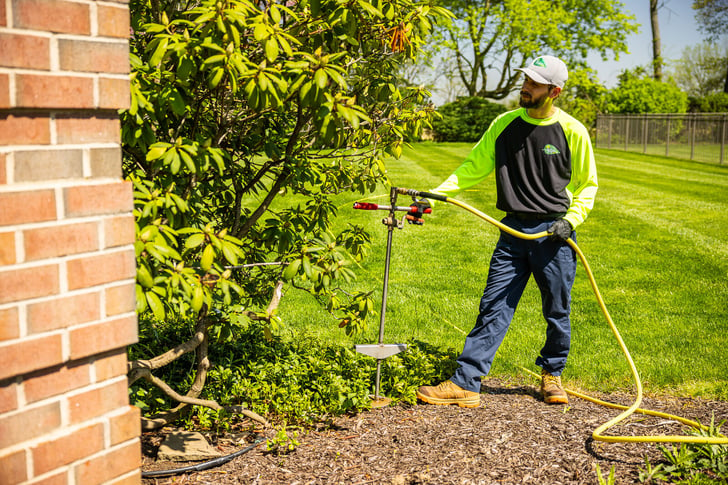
(694, 136)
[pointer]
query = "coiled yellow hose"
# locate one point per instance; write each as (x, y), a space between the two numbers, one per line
(598, 432)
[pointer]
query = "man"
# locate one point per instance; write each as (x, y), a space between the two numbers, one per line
(545, 181)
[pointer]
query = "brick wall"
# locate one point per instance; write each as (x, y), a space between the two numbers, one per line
(66, 257)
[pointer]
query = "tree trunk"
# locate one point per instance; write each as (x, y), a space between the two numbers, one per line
(656, 44)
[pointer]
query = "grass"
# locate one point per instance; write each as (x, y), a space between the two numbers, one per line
(656, 242)
(700, 152)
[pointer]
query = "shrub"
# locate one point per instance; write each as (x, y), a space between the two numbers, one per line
(297, 381)
(712, 103)
(246, 119)
(637, 94)
(465, 119)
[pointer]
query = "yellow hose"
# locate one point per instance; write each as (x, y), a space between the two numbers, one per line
(628, 411)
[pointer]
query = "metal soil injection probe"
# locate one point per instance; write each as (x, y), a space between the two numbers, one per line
(381, 351)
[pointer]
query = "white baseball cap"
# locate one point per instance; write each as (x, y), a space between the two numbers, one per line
(547, 70)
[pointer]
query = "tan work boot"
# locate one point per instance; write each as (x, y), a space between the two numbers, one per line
(552, 390)
(448, 393)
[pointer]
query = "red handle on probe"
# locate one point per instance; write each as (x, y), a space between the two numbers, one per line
(368, 206)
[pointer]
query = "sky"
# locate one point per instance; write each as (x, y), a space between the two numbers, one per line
(678, 29)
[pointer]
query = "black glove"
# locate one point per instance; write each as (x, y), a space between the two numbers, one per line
(560, 230)
(419, 207)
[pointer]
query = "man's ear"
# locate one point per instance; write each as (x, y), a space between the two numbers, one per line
(555, 91)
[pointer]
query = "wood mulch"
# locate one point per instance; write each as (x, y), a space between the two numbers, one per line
(512, 438)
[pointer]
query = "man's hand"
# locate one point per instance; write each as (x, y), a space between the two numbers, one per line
(560, 230)
(418, 208)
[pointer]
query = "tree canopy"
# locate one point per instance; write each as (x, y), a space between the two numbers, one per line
(489, 38)
(701, 69)
(712, 16)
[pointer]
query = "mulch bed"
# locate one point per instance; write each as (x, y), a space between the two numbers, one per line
(512, 438)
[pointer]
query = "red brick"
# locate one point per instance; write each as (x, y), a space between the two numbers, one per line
(75, 129)
(55, 241)
(26, 51)
(28, 424)
(9, 324)
(13, 467)
(59, 478)
(3, 15)
(120, 299)
(106, 162)
(119, 231)
(27, 207)
(134, 478)
(97, 270)
(125, 426)
(4, 90)
(101, 337)
(52, 16)
(63, 312)
(91, 56)
(113, 21)
(110, 365)
(7, 249)
(8, 398)
(56, 381)
(53, 91)
(43, 165)
(88, 200)
(22, 284)
(28, 355)
(56, 453)
(97, 402)
(3, 172)
(117, 462)
(114, 93)
(24, 130)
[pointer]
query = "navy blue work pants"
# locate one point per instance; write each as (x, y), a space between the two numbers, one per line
(514, 260)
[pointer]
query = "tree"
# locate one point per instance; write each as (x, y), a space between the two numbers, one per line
(246, 119)
(701, 69)
(712, 16)
(638, 93)
(583, 97)
(489, 38)
(656, 44)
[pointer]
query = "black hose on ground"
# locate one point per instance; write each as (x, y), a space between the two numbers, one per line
(200, 466)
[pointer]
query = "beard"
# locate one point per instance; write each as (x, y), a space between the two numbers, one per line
(532, 102)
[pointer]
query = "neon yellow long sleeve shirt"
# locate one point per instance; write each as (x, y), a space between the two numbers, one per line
(542, 166)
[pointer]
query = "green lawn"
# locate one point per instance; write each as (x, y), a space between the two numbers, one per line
(701, 152)
(656, 242)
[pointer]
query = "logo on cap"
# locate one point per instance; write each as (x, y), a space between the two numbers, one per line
(539, 62)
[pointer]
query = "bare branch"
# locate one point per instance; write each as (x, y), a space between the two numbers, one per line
(282, 178)
(137, 368)
(192, 397)
(147, 375)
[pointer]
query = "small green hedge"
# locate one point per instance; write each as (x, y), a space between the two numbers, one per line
(712, 103)
(296, 381)
(465, 119)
